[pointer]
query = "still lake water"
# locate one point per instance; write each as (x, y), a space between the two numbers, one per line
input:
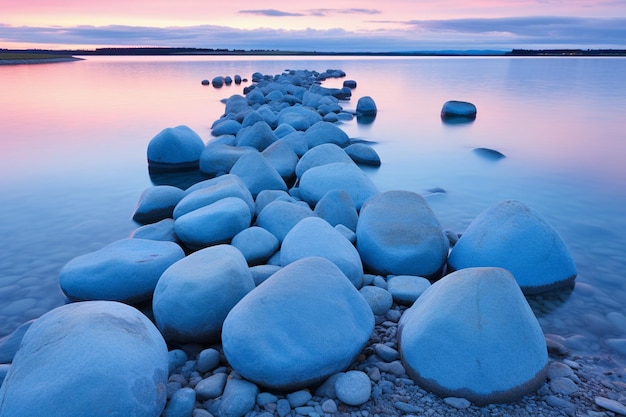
(73, 144)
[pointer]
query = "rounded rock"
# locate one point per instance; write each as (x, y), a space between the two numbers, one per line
(353, 388)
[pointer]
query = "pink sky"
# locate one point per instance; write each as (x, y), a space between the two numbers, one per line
(324, 25)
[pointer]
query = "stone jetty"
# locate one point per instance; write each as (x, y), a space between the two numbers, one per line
(284, 282)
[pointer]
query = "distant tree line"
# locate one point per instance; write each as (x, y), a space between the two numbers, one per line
(568, 52)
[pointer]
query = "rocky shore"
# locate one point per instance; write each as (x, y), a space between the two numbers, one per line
(38, 60)
(284, 283)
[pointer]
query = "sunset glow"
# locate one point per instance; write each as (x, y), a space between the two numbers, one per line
(396, 25)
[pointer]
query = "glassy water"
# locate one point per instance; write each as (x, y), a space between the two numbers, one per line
(73, 144)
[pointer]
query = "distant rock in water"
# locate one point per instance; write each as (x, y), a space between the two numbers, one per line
(349, 83)
(206, 82)
(489, 153)
(366, 107)
(458, 110)
(218, 81)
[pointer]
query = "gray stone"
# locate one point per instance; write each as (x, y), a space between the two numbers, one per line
(218, 158)
(363, 154)
(298, 398)
(181, 404)
(353, 388)
(162, 230)
(460, 403)
(455, 109)
(366, 106)
(157, 203)
(324, 133)
(279, 217)
(379, 299)
(563, 386)
(238, 399)
(259, 136)
(323, 154)
(405, 289)
(175, 148)
(611, 405)
(337, 207)
(257, 173)
(207, 360)
(211, 387)
(256, 244)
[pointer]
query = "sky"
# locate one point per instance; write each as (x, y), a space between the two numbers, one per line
(323, 25)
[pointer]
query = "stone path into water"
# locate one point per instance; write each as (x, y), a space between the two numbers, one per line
(233, 314)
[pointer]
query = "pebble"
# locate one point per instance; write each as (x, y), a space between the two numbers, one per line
(406, 407)
(298, 398)
(208, 359)
(564, 386)
(176, 359)
(386, 353)
(329, 406)
(561, 403)
(211, 387)
(460, 403)
(181, 404)
(611, 405)
(282, 407)
(353, 388)
(558, 369)
(265, 398)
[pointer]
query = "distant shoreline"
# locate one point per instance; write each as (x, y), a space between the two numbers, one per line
(30, 56)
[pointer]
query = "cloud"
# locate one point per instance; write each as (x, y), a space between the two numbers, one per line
(416, 35)
(309, 12)
(540, 29)
(271, 13)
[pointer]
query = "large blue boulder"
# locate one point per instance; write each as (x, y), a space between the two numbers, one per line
(473, 335)
(175, 148)
(513, 236)
(300, 326)
(194, 295)
(93, 358)
(398, 234)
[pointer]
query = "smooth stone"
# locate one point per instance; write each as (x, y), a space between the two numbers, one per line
(405, 289)
(366, 106)
(349, 83)
(157, 203)
(191, 301)
(218, 158)
(313, 236)
(251, 118)
(317, 181)
(265, 398)
(176, 359)
(291, 332)
(279, 217)
(207, 360)
(455, 108)
(490, 154)
(211, 387)
(611, 405)
(226, 127)
(386, 353)
(379, 299)
(325, 132)
(282, 158)
(257, 173)
(299, 117)
(267, 196)
(162, 230)
(363, 154)
(9, 344)
(298, 142)
(563, 386)
(298, 398)
(238, 399)
(181, 404)
(353, 388)
(212, 191)
(262, 272)
(558, 369)
(213, 224)
(282, 407)
(93, 358)
(513, 236)
(459, 403)
(347, 233)
(260, 135)
(323, 154)
(476, 320)
(175, 148)
(126, 270)
(256, 244)
(398, 234)
(329, 406)
(283, 130)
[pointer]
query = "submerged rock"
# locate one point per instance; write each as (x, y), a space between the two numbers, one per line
(473, 335)
(290, 332)
(94, 358)
(366, 107)
(511, 235)
(157, 203)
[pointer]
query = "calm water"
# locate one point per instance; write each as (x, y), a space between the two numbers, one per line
(73, 159)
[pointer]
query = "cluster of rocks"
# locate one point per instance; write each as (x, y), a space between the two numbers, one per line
(288, 284)
(219, 80)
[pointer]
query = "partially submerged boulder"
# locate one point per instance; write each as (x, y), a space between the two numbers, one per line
(126, 270)
(458, 109)
(175, 148)
(513, 236)
(290, 332)
(473, 335)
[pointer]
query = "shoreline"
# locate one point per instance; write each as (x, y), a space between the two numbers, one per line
(38, 60)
